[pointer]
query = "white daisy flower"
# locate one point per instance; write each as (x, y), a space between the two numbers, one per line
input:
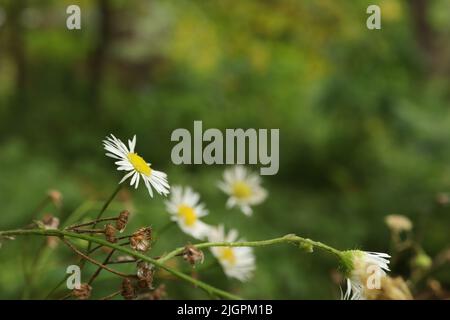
(237, 262)
(244, 189)
(137, 167)
(362, 268)
(185, 207)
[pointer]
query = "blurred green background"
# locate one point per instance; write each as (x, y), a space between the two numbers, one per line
(363, 115)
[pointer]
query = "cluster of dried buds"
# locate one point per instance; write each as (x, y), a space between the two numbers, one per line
(141, 285)
(110, 229)
(137, 286)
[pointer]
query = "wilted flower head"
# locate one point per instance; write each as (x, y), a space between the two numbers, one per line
(140, 240)
(193, 255)
(122, 220)
(50, 222)
(128, 291)
(82, 293)
(364, 271)
(237, 262)
(135, 165)
(185, 208)
(55, 197)
(244, 189)
(398, 223)
(145, 274)
(110, 233)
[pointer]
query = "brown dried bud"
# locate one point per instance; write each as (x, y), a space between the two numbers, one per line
(145, 274)
(193, 255)
(140, 240)
(122, 221)
(128, 291)
(398, 223)
(55, 197)
(110, 233)
(50, 222)
(83, 293)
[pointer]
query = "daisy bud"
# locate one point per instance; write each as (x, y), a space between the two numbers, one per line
(128, 291)
(422, 261)
(193, 255)
(122, 221)
(83, 293)
(55, 197)
(110, 233)
(140, 240)
(398, 223)
(364, 271)
(145, 274)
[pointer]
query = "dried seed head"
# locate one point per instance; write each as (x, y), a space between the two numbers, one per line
(56, 197)
(122, 221)
(145, 274)
(128, 291)
(398, 223)
(193, 255)
(140, 240)
(83, 293)
(110, 233)
(50, 222)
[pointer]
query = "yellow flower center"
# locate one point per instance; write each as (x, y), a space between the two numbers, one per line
(139, 164)
(241, 190)
(227, 254)
(187, 214)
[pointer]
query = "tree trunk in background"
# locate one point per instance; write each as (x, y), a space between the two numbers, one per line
(98, 58)
(423, 30)
(16, 46)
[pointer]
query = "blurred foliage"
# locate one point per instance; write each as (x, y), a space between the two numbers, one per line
(363, 117)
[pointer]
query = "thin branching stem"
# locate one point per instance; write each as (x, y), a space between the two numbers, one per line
(75, 226)
(99, 216)
(290, 238)
(60, 233)
(71, 246)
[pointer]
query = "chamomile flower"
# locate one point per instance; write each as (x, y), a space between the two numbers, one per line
(237, 262)
(362, 267)
(244, 189)
(185, 208)
(137, 168)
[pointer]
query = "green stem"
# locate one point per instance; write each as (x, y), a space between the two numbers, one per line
(58, 233)
(103, 209)
(290, 238)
